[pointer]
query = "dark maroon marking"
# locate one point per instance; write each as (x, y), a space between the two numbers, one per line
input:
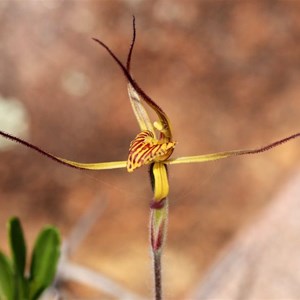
(268, 147)
(146, 153)
(137, 150)
(157, 240)
(131, 45)
(160, 237)
(158, 204)
(152, 235)
(37, 149)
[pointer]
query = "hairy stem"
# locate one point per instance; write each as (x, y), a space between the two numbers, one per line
(157, 275)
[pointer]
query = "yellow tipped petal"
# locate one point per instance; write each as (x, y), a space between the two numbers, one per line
(161, 183)
(95, 166)
(74, 164)
(220, 155)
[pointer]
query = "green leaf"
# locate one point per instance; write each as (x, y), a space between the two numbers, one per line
(44, 261)
(18, 252)
(17, 245)
(6, 279)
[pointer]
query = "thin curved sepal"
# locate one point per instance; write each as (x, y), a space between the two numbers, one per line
(134, 97)
(220, 155)
(66, 162)
(164, 120)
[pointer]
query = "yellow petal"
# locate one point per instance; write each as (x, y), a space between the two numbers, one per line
(95, 166)
(161, 182)
(201, 158)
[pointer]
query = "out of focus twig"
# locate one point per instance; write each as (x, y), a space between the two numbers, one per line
(83, 275)
(68, 271)
(84, 225)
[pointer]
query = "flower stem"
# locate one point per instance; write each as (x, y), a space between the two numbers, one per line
(157, 275)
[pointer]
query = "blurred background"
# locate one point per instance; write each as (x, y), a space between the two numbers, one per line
(227, 74)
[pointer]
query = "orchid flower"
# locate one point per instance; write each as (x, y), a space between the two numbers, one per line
(153, 146)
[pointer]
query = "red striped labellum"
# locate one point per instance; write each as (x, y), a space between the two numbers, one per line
(145, 148)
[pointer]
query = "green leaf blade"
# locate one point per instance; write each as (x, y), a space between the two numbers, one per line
(44, 261)
(18, 252)
(17, 245)
(6, 279)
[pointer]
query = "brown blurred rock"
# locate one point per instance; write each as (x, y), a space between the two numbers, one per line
(263, 261)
